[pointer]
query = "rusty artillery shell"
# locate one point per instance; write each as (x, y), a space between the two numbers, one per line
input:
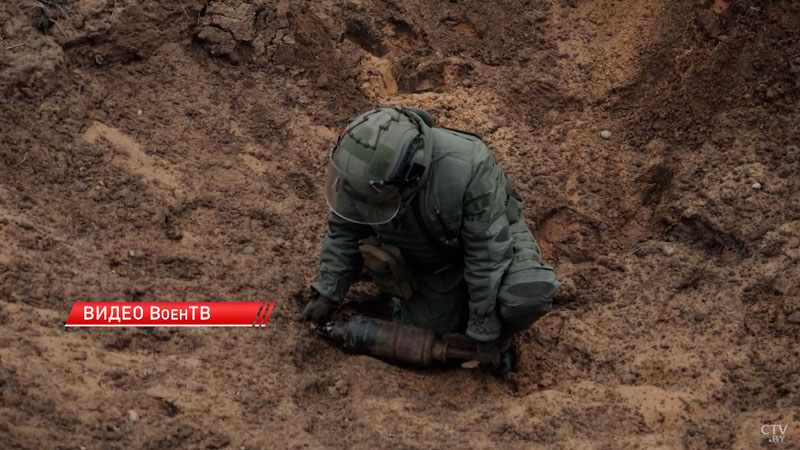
(393, 341)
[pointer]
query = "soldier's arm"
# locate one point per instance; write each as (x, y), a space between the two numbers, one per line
(487, 244)
(340, 260)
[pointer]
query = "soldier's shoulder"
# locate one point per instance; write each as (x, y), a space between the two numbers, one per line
(461, 144)
(453, 136)
(460, 134)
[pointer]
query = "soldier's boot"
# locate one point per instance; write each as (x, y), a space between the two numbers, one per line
(508, 359)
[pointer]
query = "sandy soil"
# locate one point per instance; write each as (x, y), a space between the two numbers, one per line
(175, 151)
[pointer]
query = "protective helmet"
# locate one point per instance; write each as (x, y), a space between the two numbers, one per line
(378, 160)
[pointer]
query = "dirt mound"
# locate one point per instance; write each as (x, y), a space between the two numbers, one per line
(175, 151)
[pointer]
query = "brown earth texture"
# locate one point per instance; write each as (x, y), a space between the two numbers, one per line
(175, 150)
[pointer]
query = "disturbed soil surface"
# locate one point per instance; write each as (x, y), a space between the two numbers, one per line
(175, 151)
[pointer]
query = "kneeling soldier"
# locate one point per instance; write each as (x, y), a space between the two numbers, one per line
(436, 222)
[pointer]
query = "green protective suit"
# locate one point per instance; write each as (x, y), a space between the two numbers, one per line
(496, 285)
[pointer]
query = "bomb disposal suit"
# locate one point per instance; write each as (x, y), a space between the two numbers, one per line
(438, 225)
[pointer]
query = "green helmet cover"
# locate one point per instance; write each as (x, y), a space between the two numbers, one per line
(380, 158)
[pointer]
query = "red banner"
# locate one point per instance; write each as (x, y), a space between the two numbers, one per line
(169, 314)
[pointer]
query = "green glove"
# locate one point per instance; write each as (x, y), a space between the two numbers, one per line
(319, 310)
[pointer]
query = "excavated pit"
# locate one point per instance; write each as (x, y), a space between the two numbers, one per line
(176, 151)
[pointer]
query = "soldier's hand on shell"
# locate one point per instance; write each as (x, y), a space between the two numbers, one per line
(319, 310)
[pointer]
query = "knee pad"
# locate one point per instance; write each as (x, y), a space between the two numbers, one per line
(526, 295)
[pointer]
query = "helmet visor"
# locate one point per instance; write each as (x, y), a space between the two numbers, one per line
(362, 201)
